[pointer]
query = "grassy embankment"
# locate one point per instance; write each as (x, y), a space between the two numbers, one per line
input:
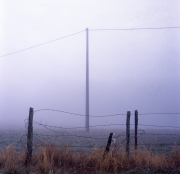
(55, 160)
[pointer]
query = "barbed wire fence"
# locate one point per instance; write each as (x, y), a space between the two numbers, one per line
(155, 138)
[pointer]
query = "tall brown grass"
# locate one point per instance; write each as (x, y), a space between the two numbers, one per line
(50, 159)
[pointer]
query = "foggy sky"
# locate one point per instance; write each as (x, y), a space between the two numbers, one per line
(128, 70)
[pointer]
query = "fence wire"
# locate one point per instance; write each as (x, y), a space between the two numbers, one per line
(160, 139)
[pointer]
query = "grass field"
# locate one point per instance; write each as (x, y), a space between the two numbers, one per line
(69, 151)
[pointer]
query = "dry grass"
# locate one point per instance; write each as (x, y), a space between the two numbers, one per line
(56, 160)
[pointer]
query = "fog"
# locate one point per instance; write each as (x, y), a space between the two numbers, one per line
(128, 70)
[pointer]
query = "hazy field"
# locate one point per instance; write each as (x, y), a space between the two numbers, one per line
(156, 140)
(57, 150)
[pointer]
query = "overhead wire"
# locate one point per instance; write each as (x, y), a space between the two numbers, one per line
(111, 29)
(130, 29)
(42, 44)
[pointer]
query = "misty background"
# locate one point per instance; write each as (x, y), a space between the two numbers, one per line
(128, 70)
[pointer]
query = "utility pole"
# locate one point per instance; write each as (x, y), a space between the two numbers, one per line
(87, 82)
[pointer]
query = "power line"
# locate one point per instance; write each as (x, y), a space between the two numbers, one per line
(42, 44)
(113, 29)
(130, 29)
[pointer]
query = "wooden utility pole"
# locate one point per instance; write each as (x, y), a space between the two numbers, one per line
(29, 137)
(136, 128)
(87, 82)
(128, 133)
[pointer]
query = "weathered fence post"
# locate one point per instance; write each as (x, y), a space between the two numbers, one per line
(128, 133)
(136, 127)
(108, 144)
(29, 137)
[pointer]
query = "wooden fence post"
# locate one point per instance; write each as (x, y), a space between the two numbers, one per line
(29, 137)
(128, 133)
(108, 144)
(136, 127)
